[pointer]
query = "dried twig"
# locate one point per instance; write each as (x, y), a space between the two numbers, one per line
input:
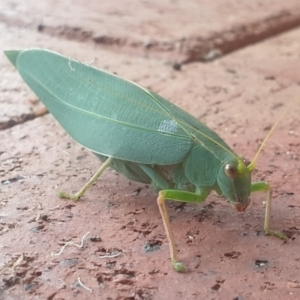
(111, 256)
(70, 243)
(80, 283)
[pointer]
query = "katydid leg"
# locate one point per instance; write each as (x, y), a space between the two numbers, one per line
(167, 193)
(181, 196)
(78, 195)
(265, 187)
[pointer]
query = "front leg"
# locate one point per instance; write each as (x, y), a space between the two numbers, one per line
(176, 195)
(181, 196)
(265, 187)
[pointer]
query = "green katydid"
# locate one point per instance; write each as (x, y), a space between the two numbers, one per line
(140, 135)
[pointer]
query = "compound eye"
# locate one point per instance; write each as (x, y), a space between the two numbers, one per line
(231, 171)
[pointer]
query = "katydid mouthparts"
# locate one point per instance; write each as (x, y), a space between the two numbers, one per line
(140, 135)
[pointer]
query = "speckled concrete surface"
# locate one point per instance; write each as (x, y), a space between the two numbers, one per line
(226, 253)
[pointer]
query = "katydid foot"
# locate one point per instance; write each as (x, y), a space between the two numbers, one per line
(181, 196)
(64, 195)
(279, 234)
(178, 266)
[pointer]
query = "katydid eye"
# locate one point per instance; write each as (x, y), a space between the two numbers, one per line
(231, 170)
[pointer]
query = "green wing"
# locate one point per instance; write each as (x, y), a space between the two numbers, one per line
(107, 114)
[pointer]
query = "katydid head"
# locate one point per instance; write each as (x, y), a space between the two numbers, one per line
(234, 180)
(234, 176)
